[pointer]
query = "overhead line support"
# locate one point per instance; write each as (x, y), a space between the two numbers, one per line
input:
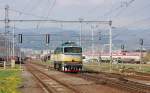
(58, 21)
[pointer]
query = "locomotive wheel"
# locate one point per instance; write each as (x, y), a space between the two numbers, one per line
(54, 65)
(59, 67)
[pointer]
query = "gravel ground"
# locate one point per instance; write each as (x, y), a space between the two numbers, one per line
(30, 84)
(81, 84)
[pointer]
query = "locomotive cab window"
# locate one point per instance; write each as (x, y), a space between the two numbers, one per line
(72, 50)
(58, 50)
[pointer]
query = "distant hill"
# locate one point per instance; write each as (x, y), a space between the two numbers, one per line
(131, 38)
(35, 39)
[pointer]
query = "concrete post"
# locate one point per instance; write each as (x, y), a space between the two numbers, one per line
(4, 64)
(12, 63)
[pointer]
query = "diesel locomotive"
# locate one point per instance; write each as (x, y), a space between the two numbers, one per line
(68, 57)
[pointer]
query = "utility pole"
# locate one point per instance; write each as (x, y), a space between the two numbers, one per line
(100, 47)
(141, 52)
(13, 52)
(122, 52)
(92, 28)
(19, 53)
(6, 18)
(20, 58)
(7, 30)
(13, 49)
(110, 44)
(47, 45)
(80, 19)
(99, 56)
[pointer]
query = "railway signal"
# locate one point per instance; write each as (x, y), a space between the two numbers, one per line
(20, 38)
(47, 38)
(122, 47)
(141, 42)
(99, 35)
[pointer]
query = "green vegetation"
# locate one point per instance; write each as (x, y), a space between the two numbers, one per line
(146, 58)
(95, 66)
(9, 80)
(116, 67)
(17, 66)
(47, 63)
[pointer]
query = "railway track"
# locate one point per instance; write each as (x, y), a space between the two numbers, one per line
(120, 82)
(146, 75)
(50, 84)
(114, 80)
(137, 75)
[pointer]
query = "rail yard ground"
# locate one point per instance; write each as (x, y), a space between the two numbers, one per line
(40, 77)
(29, 83)
(137, 82)
(65, 83)
(74, 46)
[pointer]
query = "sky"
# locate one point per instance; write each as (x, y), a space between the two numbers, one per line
(124, 13)
(129, 15)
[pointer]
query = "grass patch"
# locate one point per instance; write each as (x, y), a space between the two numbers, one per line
(44, 63)
(95, 66)
(9, 80)
(116, 67)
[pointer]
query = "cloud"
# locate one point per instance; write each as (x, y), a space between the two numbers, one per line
(66, 3)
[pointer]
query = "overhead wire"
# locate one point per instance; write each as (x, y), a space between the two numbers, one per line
(50, 7)
(136, 22)
(35, 6)
(29, 14)
(120, 7)
(110, 11)
(113, 8)
(124, 5)
(25, 7)
(26, 13)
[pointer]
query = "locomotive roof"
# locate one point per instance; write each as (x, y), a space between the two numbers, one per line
(69, 44)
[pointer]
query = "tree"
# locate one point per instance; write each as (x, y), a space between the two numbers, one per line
(146, 58)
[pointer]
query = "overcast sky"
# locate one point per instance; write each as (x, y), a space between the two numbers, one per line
(121, 12)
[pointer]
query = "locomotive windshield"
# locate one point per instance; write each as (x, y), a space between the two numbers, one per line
(72, 50)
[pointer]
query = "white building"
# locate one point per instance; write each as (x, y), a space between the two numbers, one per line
(105, 55)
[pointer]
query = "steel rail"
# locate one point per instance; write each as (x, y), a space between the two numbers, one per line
(61, 83)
